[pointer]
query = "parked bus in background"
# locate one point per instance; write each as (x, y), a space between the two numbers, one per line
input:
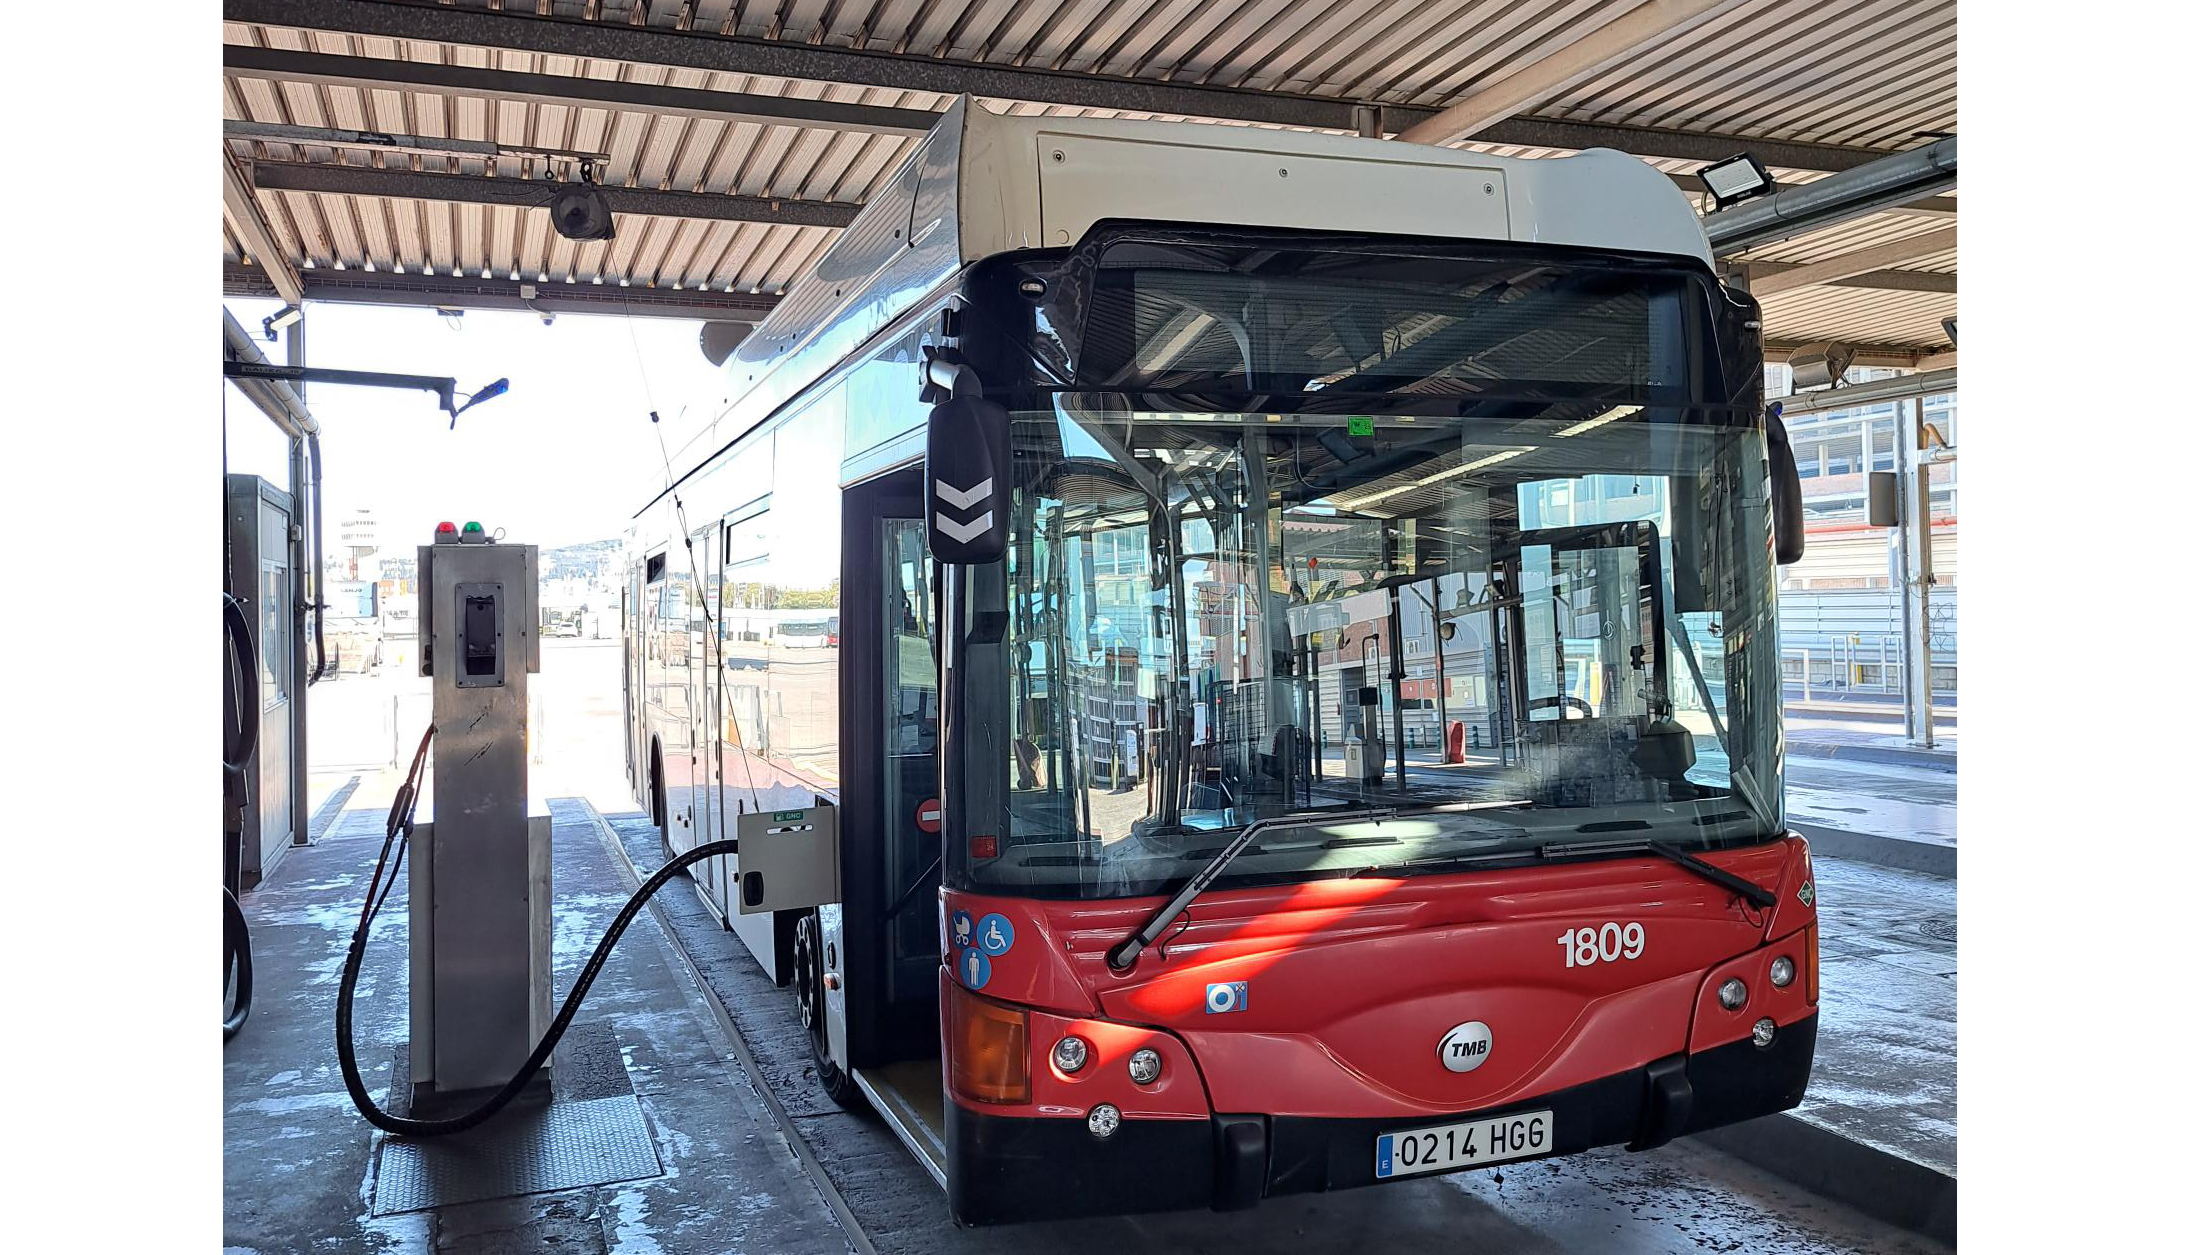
(1241, 786)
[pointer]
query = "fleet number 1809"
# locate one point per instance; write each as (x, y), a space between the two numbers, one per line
(1588, 945)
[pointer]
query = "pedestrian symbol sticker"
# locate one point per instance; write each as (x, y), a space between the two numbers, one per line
(995, 934)
(975, 969)
(964, 930)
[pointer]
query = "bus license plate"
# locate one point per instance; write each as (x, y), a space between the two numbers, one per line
(1446, 1146)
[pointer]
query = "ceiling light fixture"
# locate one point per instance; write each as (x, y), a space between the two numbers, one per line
(1490, 460)
(1611, 416)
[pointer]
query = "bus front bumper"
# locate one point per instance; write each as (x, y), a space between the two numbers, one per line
(1003, 1170)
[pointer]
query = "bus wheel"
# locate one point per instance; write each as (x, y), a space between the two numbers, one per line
(808, 984)
(656, 807)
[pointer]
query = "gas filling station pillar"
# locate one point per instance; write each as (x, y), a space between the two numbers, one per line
(480, 857)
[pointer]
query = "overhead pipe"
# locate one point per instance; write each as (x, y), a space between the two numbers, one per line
(1899, 179)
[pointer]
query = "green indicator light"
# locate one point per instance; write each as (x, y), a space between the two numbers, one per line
(472, 527)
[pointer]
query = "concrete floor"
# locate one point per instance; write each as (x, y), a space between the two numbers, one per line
(1913, 803)
(299, 1162)
(1887, 1055)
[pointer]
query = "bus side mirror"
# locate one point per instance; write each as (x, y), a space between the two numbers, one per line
(1786, 522)
(965, 480)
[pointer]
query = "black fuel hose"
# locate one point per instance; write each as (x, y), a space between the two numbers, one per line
(239, 743)
(236, 942)
(400, 831)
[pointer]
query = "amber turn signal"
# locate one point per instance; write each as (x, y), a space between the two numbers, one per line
(1810, 969)
(989, 1048)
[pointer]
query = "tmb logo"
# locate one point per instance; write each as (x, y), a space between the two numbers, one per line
(1466, 1046)
(1223, 997)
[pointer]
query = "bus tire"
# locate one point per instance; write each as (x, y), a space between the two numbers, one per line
(808, 984)
(656, 807)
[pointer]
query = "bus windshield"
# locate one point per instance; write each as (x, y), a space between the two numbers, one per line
(1439, 638)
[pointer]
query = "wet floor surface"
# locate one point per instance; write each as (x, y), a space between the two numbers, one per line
(1887, 1059)
(299, 1164)
(1885, 799)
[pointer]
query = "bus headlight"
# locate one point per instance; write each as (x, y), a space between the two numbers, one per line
(1144, 1066)
(1071, 1053)
(1781, 971)
(1732, 994)
(1765, 1030)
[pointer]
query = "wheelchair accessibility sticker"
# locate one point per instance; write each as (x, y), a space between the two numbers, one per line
(995, 934)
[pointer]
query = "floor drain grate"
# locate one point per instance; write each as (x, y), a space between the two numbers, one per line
(1941, 927)
(564, 1145)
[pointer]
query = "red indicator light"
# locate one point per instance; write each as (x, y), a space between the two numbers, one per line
(984, 847)
(446, 529)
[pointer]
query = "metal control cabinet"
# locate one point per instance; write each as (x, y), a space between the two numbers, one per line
(480, 891)
(262, 574)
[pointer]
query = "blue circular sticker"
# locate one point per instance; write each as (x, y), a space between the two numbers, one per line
(995, 934)
(974, 968)
(964, 929)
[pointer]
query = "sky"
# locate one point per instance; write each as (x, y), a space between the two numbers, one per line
(567, 455)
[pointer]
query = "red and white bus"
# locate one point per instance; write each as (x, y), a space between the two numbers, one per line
(1304, 710)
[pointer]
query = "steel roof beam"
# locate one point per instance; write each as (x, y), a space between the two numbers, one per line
(1901, 355)
(383, 73)
(1859, 262)
(1881, 280)
(1945, 208)
(1567, 66)
(299, 176)
(819, 63)
(255, 232)
(1817, 400)
(1882, 184)
(385, 287)
(275, 397)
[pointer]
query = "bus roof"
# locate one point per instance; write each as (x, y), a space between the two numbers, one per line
(983, 183)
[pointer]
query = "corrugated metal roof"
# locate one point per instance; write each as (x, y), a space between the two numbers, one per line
(1861, 73)
(1858, 315)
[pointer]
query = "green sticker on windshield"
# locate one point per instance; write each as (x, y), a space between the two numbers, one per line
(1361, 425)
(787, 817)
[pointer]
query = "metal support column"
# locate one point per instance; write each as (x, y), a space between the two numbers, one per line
(305, 592)
(1911, 559)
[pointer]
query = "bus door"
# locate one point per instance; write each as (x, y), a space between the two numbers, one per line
(910, 754)
(889, 842)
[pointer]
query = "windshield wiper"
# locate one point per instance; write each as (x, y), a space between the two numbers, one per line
(1124, 954)
(1740, 885)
